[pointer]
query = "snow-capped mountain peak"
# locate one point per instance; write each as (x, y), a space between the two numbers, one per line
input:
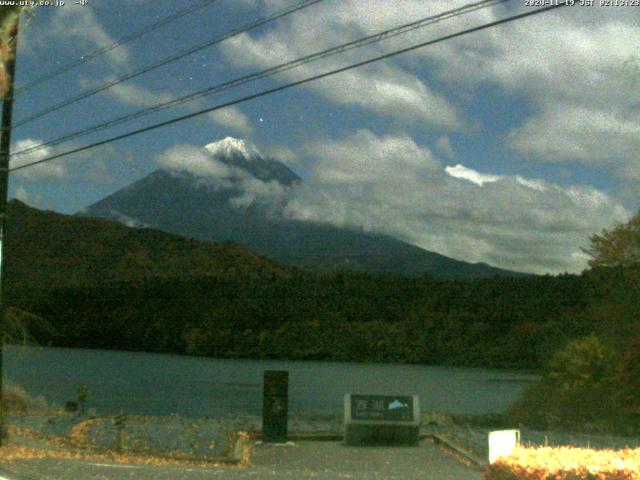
(229, 146)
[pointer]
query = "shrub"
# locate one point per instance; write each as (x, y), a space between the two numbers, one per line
(577, 390)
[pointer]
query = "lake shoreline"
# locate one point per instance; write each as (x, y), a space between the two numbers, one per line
(514, 369)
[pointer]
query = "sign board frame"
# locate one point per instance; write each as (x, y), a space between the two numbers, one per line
(381, 419)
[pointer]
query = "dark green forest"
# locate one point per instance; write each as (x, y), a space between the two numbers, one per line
(501, 322)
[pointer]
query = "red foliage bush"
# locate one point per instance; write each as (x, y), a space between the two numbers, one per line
(566, 464)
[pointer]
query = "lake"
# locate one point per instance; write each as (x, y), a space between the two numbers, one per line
(159, 384)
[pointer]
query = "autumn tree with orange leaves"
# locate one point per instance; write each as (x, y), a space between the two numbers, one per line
(8, 17)
(619, 247)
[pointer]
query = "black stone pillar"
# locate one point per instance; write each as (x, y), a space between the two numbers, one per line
(275, 406)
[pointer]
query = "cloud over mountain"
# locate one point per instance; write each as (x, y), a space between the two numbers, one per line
(215, 167)
(391, 184)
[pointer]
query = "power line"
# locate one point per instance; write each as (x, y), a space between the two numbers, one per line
(294, 84)
(129, 38)
(184, 53)
(371, 39)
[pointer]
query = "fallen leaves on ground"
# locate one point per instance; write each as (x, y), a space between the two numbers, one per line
(11, 453)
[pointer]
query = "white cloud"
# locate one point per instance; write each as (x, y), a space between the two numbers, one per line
(365, 158)
(98, 167)
(282, 153)
(535, 184)
(196, 161)
(245, 188)
(131, 94)
(233, 118)
(562, 132)
(253, 190)
(384, 88)
(47, 170)
(395, 186)
(460, 171)
(127, 220)
(576, 69)
(80, 25)
(574, 66)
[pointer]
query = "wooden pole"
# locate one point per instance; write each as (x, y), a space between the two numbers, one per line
(5, 151)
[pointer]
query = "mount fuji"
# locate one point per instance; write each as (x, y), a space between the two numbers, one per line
(229, 191)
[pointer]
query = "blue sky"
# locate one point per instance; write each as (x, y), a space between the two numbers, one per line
(508, 146)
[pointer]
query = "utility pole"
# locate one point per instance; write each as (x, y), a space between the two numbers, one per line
(5, 146)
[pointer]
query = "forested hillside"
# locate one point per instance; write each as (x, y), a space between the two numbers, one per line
(356, 317)
(45, 248)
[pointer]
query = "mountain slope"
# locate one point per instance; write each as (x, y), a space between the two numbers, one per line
(47, 248)
(240, 197)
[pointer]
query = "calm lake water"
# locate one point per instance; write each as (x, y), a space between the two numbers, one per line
(156, 384)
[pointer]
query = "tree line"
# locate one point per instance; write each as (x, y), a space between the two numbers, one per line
(501, 322)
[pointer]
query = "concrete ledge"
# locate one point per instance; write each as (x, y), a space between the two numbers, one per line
(456, 450)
